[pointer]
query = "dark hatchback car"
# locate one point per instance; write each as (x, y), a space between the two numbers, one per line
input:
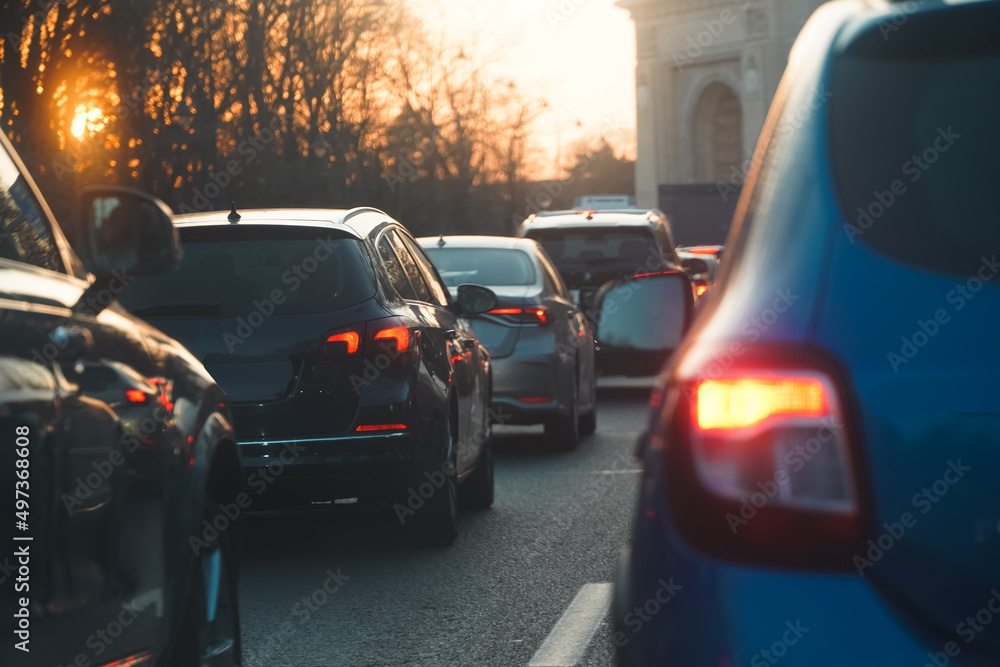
(117, 446)
(820, 484)
(590, 248)
(541, 344)
(353, 375)
(595, 249)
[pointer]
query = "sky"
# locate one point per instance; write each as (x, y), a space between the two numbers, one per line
(578, 55)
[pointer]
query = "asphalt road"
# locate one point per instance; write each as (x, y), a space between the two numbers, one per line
(493, 598)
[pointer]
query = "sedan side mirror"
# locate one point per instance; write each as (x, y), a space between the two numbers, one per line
(124, 233)
(475, 299)
(640, 322)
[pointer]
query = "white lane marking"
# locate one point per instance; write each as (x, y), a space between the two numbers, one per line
(568, 641)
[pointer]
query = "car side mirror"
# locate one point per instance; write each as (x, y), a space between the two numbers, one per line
(476, 299)
(641, 321)
(124, 233)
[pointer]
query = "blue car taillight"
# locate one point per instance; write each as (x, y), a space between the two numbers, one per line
(761, 463)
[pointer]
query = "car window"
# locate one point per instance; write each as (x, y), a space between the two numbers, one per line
(395, 269)
(439, 295)
(492, 267)
(410, 268)
(918, 179)
(25, 233)
(227, 272)
(598, 249)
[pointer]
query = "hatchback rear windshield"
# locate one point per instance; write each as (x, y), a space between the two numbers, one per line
(226, 270)
(494, 267)
(914, 139)
(599, 248)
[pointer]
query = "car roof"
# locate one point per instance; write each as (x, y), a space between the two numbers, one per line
(508, 242)
(587, 218)
(358, 222)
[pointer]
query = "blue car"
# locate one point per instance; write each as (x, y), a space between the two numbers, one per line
(822, 464)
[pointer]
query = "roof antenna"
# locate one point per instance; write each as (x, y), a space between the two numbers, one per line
(441, 241)
(234, 217)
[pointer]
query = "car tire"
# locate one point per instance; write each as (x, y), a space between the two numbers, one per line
(588, 423)
(203, 641)
(435, 523)
(564, 431)
(478, 491)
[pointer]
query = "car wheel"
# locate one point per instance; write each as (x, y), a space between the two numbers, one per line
(564, 431)
(436, 522)
(477, 492)
(588, 423)
(210, 630)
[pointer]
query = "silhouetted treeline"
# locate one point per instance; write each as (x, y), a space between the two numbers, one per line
(279, 103)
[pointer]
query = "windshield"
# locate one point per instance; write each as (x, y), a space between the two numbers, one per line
(492, 267)
(224, 271)
(598, 249)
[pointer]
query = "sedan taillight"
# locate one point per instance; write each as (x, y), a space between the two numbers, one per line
(760, 463)
(538, 316)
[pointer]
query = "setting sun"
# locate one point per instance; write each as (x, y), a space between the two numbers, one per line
(86, 121)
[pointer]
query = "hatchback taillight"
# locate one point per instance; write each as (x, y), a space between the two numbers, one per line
(760, 463)
(388, 340)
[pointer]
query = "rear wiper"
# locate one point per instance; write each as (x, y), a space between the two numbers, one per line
(180, 310)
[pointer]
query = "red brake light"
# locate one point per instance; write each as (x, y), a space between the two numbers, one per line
(746, 401)
(655, 273)
(703, 250)
(381, 427)
(135, 396)
(700, 290)
(759, 460)
(523, 315)
(351, 338)
(401, 335)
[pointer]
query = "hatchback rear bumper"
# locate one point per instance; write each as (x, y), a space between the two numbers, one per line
(369, 470)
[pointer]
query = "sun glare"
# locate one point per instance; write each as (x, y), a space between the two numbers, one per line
(86, 121)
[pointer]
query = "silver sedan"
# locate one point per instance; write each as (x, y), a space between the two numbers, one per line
(540, 343)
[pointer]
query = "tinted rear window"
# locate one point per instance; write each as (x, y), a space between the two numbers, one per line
(914, 139)
(599, 248)
(496, 267)
(225, 270)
